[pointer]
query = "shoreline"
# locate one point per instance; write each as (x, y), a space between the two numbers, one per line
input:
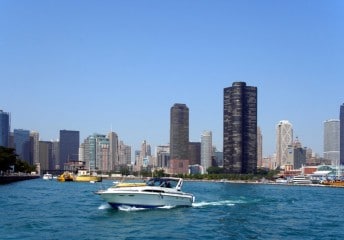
(224, 181)
(15, 178)
(262, 183)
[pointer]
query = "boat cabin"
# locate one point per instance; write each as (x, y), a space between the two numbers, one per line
(165, 182)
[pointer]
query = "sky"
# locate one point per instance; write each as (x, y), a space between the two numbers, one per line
(97, 66)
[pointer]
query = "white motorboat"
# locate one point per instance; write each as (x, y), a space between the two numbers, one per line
(47, 176)
(282, 181)
(301, 179)
(156, 192)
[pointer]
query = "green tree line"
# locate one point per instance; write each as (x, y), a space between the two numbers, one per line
(10, 162)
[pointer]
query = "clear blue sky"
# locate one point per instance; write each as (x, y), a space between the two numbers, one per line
(89, 65)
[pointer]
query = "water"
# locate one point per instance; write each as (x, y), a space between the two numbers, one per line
(38, 209)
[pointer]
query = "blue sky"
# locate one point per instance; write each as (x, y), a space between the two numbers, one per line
(92, 65)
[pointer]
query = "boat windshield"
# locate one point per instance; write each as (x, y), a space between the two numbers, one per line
(163, 182)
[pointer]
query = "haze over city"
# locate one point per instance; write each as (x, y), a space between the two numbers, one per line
(121, 65)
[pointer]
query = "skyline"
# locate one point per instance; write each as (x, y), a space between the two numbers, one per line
(96, 67)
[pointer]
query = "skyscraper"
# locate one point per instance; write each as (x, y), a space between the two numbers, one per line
(46, 156)
(55, 154)
(240, 129)
(341, 119)
(68, 147)
(124, 152)
(114, 148)
(194, 153)
(179, 139)
(299, 154)
(163, 156)
(331, 140)
(284, 140)
(259, 148)
(206, 150)
(34, 135)
(103, 160)
(4, 128)
(96, 152)
(22, 144)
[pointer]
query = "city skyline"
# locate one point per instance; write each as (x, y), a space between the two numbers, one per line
(120, 66)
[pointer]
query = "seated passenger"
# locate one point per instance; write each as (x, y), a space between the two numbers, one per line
(168, 184)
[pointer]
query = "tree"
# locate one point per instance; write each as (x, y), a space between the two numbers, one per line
(8, 158)
(159, 173)
(215, 170)
(124, 170)
(23, 166)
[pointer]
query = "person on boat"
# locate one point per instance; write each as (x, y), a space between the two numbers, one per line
(168, 184)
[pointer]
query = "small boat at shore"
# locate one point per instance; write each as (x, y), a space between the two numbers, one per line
(156, 192)
(282, 181)
(334, 183)
(47, 176)
(301, 179)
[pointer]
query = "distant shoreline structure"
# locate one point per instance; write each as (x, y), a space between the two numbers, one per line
(15, 178)
(261, 183)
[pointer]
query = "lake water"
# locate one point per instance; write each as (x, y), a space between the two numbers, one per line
(40, 209)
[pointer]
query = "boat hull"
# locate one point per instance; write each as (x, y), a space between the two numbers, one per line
(334, 183)
(47, 176)
(301, 180)
(155, 193)
(147, 200)
(87, 178)
(65, 177)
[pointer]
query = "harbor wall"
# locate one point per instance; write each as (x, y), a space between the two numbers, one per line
(16, 178)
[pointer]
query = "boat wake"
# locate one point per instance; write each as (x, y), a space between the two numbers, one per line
(217, 203)
(126, 208)
(166, 207)
(104, 206)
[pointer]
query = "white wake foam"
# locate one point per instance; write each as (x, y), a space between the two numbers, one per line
(104, 206)
(166, 207)
(126, 208)
(217, 203)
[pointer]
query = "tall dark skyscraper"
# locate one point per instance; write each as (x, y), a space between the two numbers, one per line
(4, 128)
(240, 129)
(195, 153)
(341, 129)
(68, 147)
(179, 138)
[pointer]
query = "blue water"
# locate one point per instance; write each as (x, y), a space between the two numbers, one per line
(38, 209)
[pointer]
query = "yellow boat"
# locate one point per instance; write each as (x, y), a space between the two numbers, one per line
(335, 183)
(65, 177)
(87, 178)
(84, 176)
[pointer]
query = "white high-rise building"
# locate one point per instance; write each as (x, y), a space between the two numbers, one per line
(206, 150)
(284, 139)
(332, 140)
(162, 156)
